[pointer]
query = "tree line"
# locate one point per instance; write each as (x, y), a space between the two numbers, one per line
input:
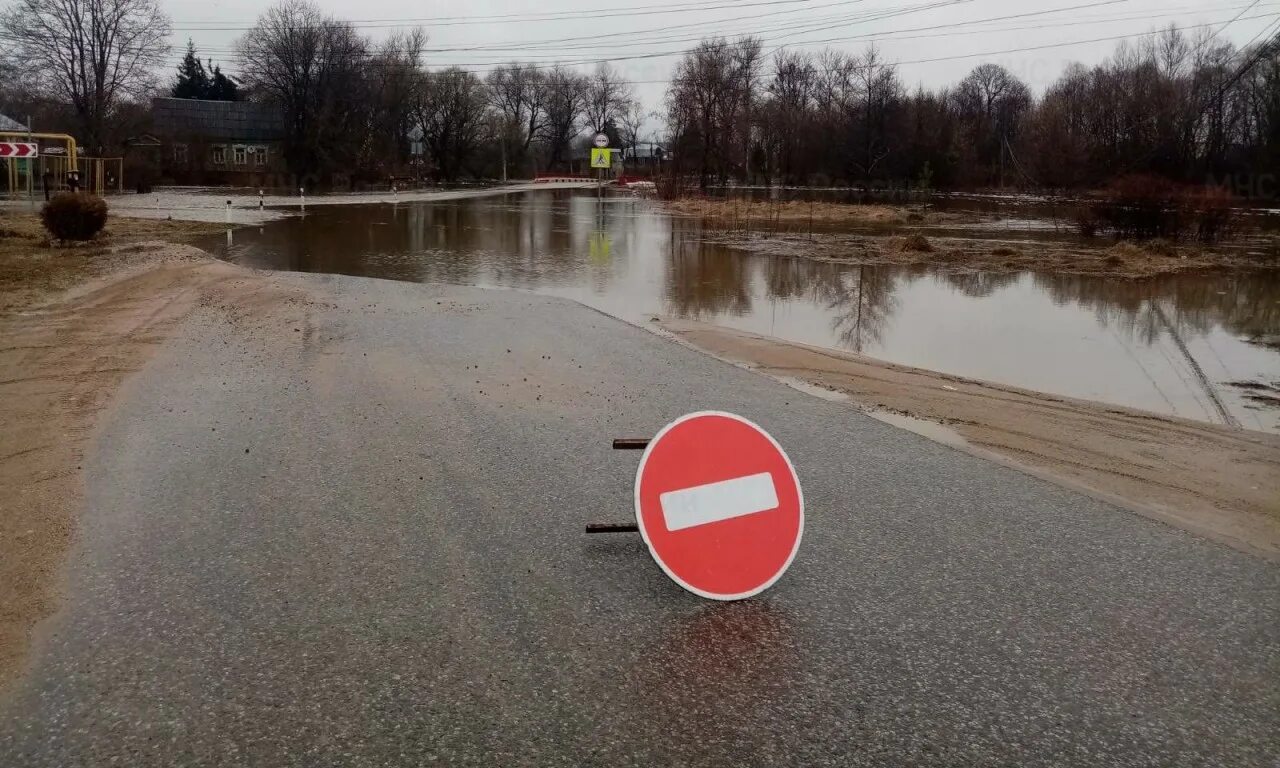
(350, 103)
(1186, 108)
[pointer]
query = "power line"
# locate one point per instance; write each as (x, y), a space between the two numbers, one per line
(683, 36)
(450, 21)
(888, 35)
(887, 14)
(527, 44)
(955, 57)
(1263, 51)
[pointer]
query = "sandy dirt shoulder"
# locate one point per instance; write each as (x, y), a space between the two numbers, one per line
(1215, 481)
(62, 359)
(32, 270)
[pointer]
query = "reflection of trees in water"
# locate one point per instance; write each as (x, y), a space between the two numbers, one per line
(861, 297)
(1246, 303)
(702, 278)
(980, 285)
(865, 307)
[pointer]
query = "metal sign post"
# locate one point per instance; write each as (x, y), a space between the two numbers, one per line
(600, 158)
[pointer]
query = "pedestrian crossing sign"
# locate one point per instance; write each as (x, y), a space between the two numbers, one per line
(601, 158)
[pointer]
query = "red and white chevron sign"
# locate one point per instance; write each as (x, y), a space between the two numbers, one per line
(18, 149)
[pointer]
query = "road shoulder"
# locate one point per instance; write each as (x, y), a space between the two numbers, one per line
(1214, 481)
(64, 361)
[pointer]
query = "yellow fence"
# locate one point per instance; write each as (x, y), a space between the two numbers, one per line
(52, 171)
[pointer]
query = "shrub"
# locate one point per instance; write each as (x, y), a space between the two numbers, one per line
(1211, 207)
(914, 243)
(1086, 221)
(1140, 206)
(74, 216)
(1143, 207)
(1161, 247)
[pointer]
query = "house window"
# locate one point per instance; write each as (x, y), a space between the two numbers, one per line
(219, 155)
(180, 154)
(260, 156)
(240, 155)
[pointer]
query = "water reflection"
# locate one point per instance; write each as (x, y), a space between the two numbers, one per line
(721, 670)
(1168, 344)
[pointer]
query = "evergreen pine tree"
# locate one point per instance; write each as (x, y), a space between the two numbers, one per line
(221, 87)
(193, 81)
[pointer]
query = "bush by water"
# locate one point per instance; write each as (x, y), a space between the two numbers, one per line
(1144, 207)
(74, 216)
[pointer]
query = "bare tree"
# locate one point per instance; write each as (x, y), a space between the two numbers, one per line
(395, 77)
(709, 104)
(788, 115)
(607, 98)
(91, 53)
(563, 104)
(991, 103)
(879, 94)
(630, 124)
(517, 92)
(313, 68)
(454, 113)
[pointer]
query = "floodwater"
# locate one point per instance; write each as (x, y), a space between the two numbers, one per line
(1201, 346)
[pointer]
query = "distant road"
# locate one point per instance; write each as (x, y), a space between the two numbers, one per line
(350, 533)
(209, 203)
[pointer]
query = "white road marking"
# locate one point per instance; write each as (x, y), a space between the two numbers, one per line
(723, 500)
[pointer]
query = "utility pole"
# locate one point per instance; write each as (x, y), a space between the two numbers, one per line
(1003, 142)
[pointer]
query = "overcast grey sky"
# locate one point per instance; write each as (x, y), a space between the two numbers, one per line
(644, 37)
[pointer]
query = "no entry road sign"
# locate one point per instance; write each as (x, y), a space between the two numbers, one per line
(18, 149)
(719, 504)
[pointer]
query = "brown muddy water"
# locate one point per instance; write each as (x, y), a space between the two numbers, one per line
(1201, 346)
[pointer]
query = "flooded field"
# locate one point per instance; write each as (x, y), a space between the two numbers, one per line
(1201, 346)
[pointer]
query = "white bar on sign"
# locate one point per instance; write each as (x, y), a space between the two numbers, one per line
(723, 500)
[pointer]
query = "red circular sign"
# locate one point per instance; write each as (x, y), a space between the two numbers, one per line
(719, 504)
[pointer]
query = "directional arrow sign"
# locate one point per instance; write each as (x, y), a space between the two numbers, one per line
(18, 149)
(719, 504)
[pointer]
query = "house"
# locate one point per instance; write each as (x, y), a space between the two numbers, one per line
(235, 143)
(9, 124)
(646, 158)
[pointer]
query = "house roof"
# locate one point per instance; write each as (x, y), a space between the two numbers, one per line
(647, 150)
(9, 124)
(243, 120)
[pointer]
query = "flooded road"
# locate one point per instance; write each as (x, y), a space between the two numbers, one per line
(1189, 345)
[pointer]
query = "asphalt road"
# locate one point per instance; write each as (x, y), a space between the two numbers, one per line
(360, 543)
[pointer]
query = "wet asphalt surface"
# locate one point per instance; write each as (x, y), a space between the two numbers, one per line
(360, 543)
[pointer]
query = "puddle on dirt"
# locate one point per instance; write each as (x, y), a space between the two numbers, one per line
(1173, 344)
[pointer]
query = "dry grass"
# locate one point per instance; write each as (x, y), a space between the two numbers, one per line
(1126, 260)
(761, 211)
(1125, 251)
(913, 243)
(32, 268)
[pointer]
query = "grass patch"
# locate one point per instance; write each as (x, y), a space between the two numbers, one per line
(728, 211)
(914, 243)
